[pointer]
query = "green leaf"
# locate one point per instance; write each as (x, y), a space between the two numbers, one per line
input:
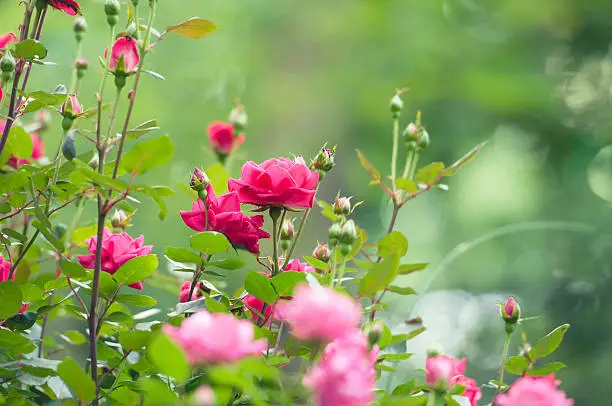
(407, 185)
(72, 269)
(147, 155)
(193, 28)
(261, 287)
(30, 49)
(77, 380)
(49, 236)
(392, 243)
(21, 321)
(228, 263)
(40, 99)
(374, 174)
(137, 300)
(154, 74)
(405, 388)
(108, 286)
(405, 269)
(210, 242)
(168, 357)
(328, 211)
(451, 170)
(380, 276)
(142, 129)
(285, 282)
(409, 336)
(136, 269)
(183, 255)
(19, 144)
(416, 400)
(11, 296)
(14, 235)
(394, 357)
(548, 344)
(188, 307)
(430, 174)
(218, 178)
(75, 337)
(517, 365)
(134, 339)
(317, 263)
(15, 342)
(402, 291)
(546, 369)
(215, 306)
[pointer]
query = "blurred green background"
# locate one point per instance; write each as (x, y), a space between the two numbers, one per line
(530, 217)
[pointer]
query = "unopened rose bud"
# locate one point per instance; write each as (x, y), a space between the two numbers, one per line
(204, 396)
(68, 146)
(321, 253)
(199, 180)
(323, 162)
(286, 234)
(374, 333)
(112, 8)
(396, 105)
(334, 234)
(238, 118)
(70, 109)
(119, 220)
(510, 311)
(348, 233)
(411, 133)
(94, 161)
(81, 65)
(79, 27)
(7, 63)
(342, 206)
(423, 141)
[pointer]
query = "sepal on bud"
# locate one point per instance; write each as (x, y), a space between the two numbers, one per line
(396, 104)
(335, 232)
(7, 63)
(323, 162)
(374, 333)
(120, 221)
(286, 233)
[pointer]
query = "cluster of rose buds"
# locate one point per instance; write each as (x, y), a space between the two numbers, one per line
(343, 232)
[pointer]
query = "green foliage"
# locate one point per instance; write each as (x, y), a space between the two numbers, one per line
(147, 155)
(210, 242)
(261, 287)
(548, 344)
(379, 277)
(168, 358)
(77, 380)
(11, 299)
(136, 269)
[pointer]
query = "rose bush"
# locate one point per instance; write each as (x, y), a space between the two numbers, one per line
(300, 329)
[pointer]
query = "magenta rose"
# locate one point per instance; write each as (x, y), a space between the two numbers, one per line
(276, 182)
(223, 138)
(69, 7)
(224, 216)
(117, 249)
(126, 47)
(186, 288)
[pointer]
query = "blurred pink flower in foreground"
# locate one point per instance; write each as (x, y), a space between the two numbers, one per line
(532, 391)
(442, 369)
(472, 390)
(117, 249)
(320, 313)
(345, 374)
(215, 338)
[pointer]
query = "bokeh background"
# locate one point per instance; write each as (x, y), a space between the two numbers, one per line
(530, 217)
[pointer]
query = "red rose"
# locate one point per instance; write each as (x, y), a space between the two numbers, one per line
(124, 49)
(69, 7)
(223, 138)
(276, 182)
(224, 216)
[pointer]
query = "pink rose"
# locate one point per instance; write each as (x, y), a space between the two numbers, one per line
(320, 313)
(472, 390)
(276, 182)
(37, 150)
(7, 39)
(224, 216)
(345, 374)
(124, 47)
(534, 392)
(442, 369)
(186, 288)
(215, 338)
(117, 249)
(223, 138)
(69, 7)
(298, 266)
(5, 272)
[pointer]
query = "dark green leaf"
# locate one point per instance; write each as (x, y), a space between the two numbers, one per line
(11, 296)
(210, 242)
(261, 287)
(49, 236)
(285, 282)
(136, 269)
(392, 243)
(108, 286)
(193, 28)
(517, 365)
(147, 155)
(77, 380)
(15, 235)
(546, 369)
(379, 277)
(21, 321)
(548, 344)
(228, 263)
(394, 357)
(168, 357)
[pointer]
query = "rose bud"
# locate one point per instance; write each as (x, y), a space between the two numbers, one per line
(120, 221)
(334, 234)
(323, 162)
(342, 206)
(199, 182)
(81, 65)
(321, 253)
(238, 118)
(79, 27)
(511, 311)
(112, 8)
(396, 105)
(70, 109)
(286, 233)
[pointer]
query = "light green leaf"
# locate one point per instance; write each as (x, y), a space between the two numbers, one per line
(402, 291)
(142, 129)
(137, 300)
(72, 269)
(77, 380)
(374, 174)
(147, 155)
(379, 277)
(183, 255)
(215, 306)
(407, 185)
(30, 49)
(168, 357)
(317, 263)
(285, 282)
(134, 339)
(11, 296)
(19, 144)
(261, 287)
(451, 170)
(546, 369)
(517, 365)
(430, 174)
(406, 269)
(548, 344)
(210, 242)
(392, 243)
(193, 28)
(136, 269)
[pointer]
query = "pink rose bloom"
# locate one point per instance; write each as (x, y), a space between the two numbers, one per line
(215, 338)
(345, 374)
(547, 378)
(298, 266)
(186, 288)
(256, 306)
(125, 46)
(117, 249)
(224, 216)
(37, 150)
(204, 396)
(5, 272)
(69, 7)
(276, 182)
(472, 390)
(528, 391)
(442, 369)
(320, 313)
(222, 138)
(7, 39)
